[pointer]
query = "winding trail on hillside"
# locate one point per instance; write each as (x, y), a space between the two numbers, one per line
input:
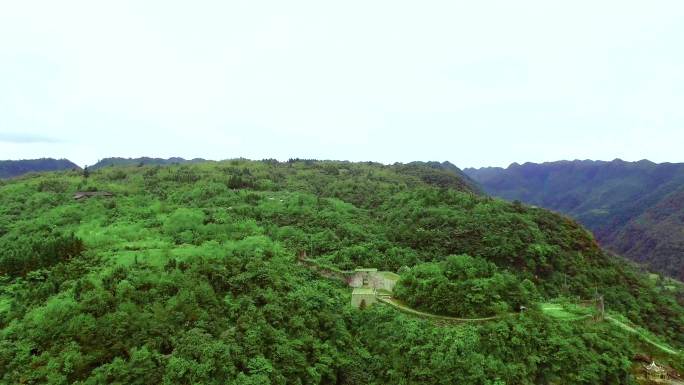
(394, 303)
(387, 299)
(405, 309)
(630, 329)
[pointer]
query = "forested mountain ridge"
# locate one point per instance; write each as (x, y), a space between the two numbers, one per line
(453, 169)
(14, 168)
(117, 161)
(636, 209)
(188, 274)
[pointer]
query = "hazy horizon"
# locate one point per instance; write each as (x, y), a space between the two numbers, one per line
(340, 160)
(477, 84)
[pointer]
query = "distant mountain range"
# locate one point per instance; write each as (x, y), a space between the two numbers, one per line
(636, 209)
(14, 168)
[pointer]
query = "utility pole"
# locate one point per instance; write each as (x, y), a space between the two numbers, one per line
(600, 308)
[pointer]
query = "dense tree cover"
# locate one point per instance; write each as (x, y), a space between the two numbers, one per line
(525, 349)
(464, 286)
(635, 208)
(23, 255)
(246, 316)
(555, 253)
(188, 275)
(655, 236)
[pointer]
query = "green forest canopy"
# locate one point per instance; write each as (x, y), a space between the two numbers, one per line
(188, 274)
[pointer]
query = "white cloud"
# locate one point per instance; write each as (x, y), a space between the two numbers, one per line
(23, 138)
(477, 83)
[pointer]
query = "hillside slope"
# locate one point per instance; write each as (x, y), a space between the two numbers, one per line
(634, 208)
(656, 236)
(189, 274)
(14, 168)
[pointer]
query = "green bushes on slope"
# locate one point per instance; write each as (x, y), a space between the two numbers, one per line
(464, 286)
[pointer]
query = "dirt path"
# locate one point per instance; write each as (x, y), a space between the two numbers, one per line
(392, 302)
(387, 299)
(630, 329)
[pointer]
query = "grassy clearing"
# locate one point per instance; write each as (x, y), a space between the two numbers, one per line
(555, 310)
(566, 311)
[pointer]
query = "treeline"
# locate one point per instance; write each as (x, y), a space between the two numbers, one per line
(20, 256)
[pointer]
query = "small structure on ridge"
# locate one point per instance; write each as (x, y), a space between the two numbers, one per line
(363, 297)
(380, 280)
(368, 284)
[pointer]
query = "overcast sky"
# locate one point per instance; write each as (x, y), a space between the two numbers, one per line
(473, 82)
